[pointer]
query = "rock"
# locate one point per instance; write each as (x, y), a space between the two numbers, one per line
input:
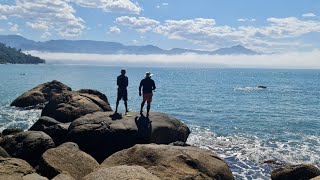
(34, 176)
(29, 145)
(100, 136)
(316, 178)
(69, 106)
(56, 130)
(3, 153)
(295, 172)
(121, 172)
(63, 176)
(40, 94)
(172, 162)
(67, 158)
(11, 131)
(12, 168)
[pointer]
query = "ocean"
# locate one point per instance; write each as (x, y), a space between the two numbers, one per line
(224, 109)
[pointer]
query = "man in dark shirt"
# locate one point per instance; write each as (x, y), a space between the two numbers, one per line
(148, 86)
(122, 82)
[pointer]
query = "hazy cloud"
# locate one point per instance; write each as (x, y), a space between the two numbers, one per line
(246, 20)
(13, 27)
(308, 60)
(124, 6)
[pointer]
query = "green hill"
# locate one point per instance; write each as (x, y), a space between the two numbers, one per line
(14, 56)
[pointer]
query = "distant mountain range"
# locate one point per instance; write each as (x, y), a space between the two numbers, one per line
(102, 47)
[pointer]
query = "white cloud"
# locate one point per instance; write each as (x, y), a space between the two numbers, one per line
(39, 13)
(13, 27)
(141, 24)
(114, 29)
(309, 15)
(39, 25)
(165, 4)
(246, 20)
(125, 6)
(45, 35)
(308, 60)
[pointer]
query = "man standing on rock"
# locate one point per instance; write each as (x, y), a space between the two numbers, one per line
(148, 86)
(122, 82)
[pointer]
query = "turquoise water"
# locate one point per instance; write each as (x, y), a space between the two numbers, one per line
(224, 109)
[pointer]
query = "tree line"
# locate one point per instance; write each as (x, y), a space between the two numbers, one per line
(15, 56)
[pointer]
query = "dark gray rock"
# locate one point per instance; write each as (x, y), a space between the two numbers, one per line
(11, 131)
(172, 162)
(40, 94)
(69, 106)
(67, 158)
(3, 153)
(295, 172)
(29, 145)
(100, 130)
(56, 130)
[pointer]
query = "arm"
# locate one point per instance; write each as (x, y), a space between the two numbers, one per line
(140, 88)
(117, 81)
(153, 86)
(127, 82)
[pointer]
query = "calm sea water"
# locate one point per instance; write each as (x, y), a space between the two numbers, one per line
(224, 109)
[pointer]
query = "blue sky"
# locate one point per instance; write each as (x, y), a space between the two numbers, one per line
(262, 25)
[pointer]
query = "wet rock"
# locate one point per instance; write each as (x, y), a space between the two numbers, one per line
(67, 158)
(100, 130)
(56, 130)
(40, 94)
(172, 162)
(69, 106)
(295, 172)
(12, 168)
(121, 172)
(29, 145)
(11, 131)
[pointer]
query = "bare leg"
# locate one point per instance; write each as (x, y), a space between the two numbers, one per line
(117, 104)
(148, 109)
(126, 105)
(142, 105)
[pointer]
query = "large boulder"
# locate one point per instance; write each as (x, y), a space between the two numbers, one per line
(69, 106)
(295, 172)
(34, 176)
(316, 178)
(172, 162)
(121, 172)
(40, 94)
(67, 158)
(12, 168)
(63, 176)
(29, 145)
(11, 131)
(56, 130)
(100, 134)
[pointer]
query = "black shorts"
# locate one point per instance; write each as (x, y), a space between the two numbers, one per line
(122, 94)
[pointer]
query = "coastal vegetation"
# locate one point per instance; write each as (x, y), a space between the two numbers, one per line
(13, 56)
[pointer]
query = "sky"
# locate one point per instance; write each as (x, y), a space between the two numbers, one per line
(270, 26)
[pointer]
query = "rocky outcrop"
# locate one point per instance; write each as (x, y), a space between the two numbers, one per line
(11, 131)
(101, 134)
(121, 172)
(172, 162)
(67, 158)
(56, 130)
(295, 172)
(316, 178)
(29, 145)
(40, 94)
(12, 168)
(69, 106)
